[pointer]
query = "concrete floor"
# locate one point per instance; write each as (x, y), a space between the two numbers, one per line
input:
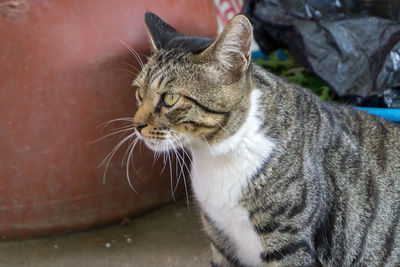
(170, 236)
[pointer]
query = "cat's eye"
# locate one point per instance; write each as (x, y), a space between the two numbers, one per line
(139, 94)
(170, 99)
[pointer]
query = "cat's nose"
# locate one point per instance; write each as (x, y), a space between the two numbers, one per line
(139, 126)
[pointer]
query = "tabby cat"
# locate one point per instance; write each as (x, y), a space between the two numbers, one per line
(282, 178)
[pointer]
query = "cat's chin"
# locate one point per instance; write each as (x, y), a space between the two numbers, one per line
(159, 146)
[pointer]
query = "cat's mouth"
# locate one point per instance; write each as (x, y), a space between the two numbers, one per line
(167, 143)
(157, 145)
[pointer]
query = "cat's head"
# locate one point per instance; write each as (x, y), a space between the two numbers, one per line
(193, 90)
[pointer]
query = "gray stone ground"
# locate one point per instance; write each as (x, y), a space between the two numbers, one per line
(169, 236)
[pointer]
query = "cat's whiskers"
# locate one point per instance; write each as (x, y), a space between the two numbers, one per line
(166, 159)
(180, 161)
(170, 169)
(163, 148)
(159, 150)
(164, 163)
(134, 53)
(111, 154)
(107, 123)
(137, 140)
(195, 177)
(113, 133)
(133, 67)
(178, 169)
(182, 171)
(134, 75)
(124, 127)
(183, 148)
(130, 144)
(127, 166)
(140, 149)
(155, 155)
(189, 157)
(128, 155)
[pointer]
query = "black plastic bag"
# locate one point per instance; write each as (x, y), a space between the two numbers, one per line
(353, 45)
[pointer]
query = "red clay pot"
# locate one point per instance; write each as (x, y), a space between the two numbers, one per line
(60, 77)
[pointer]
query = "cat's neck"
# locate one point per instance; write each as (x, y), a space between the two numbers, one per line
(286, 107)
(231, 164)
(222, 171)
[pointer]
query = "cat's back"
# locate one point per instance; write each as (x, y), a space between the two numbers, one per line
(361, 160)
(375, 138)
(362, 168)
(356, 159)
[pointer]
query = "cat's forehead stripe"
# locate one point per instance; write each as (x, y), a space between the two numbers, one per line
(154, 77)
(155, 84)
(160, 64)
(160, 81)
(168, 82)
(158, 68)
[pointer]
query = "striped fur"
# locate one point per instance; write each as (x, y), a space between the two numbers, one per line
(282, 178)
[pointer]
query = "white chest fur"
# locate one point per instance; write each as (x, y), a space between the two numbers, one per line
(221, 174)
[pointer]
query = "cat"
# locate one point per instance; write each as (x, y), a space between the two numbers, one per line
(281, 177)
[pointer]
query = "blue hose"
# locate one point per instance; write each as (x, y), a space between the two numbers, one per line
(392, 114)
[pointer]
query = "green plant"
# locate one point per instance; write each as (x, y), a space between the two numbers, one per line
(289, 69)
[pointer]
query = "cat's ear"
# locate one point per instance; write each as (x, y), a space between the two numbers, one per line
(158, 30)
(231, 50)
